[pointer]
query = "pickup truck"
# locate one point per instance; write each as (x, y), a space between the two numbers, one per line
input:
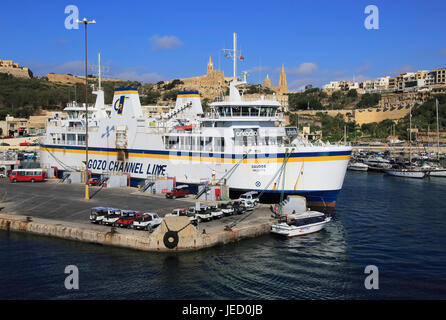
(127, 218)
(147, 221)
(248, 204)
(251, 196)
(98, 213)
(184, 213)
(111, 218)
(239, 207)
(203, 214)
(177, 193)
(226, 208)
(94, 182)
(216, 212)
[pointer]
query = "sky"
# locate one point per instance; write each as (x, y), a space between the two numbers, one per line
(317, 41)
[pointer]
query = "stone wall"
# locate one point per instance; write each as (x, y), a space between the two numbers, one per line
(362, 116)
(66, 78)
(17, 72)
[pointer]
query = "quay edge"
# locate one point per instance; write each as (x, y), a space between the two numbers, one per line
(190, 239)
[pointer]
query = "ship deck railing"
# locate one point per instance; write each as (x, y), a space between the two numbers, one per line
(244, 116)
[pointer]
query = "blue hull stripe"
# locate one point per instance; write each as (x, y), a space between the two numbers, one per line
(208, 154)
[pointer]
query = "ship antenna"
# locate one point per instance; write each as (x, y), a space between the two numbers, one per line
(235, 56)
(99, 69)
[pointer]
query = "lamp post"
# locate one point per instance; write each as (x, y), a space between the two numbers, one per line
(86, 22)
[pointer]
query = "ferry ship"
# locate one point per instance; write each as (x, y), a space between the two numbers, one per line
(242, 144)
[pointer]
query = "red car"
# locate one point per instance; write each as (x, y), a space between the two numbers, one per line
(24, 144)
(178, 192)
(127, 219)
(94, 182)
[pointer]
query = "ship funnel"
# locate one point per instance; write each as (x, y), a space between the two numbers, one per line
(188, 103)
(126, 104)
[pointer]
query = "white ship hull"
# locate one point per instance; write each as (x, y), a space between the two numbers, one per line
(316, 174)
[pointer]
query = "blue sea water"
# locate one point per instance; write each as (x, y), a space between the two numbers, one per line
(396, 224)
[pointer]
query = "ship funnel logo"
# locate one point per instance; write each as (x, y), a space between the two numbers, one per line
(119, 105)
(107, 131)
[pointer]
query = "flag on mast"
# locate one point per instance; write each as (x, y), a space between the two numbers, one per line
(241, 58)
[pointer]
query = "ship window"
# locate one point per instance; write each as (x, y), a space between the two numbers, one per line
(201, 143)
(172, 142)
(245, 111)
(81, 139)
(236, 111)
(71, 139)
(208, 144)
(219, 143)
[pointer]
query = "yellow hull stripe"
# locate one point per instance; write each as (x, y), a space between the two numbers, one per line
(126, 92)
(188, 96)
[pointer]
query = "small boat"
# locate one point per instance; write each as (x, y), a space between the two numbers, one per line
(357, 166)
(406, 173)
(437, 172)
(377, 164)
(302, 224)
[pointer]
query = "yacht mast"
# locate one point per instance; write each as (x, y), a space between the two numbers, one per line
(235, 56)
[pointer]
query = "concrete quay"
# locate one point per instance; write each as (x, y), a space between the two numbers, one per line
(59, 210)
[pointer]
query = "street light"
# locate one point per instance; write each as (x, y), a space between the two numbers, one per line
(86, 22)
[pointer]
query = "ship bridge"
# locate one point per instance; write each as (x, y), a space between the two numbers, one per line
(261, 110)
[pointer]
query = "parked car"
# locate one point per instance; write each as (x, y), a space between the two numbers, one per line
(147, 221)
(239, 208)
(216, 212)
(178, 192)
(252, 196)
(184, 213)
(226, 208)
(94, 182)
(248, 204)
(5, 144)
(112, 217)
(202, 214)
(127, 218)
(98, 213)
(24, 144)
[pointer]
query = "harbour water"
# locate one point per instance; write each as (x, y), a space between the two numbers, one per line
(396, 224)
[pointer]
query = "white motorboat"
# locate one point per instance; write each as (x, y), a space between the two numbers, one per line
(438, 172)
(406, 173)
(302, 224)
(357, 166)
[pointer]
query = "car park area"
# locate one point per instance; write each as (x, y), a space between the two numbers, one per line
(65, 205)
